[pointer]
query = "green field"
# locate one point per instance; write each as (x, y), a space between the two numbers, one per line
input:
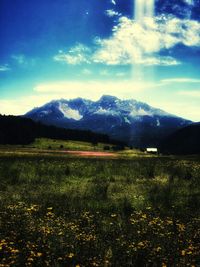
(59, 210)
(44, 143)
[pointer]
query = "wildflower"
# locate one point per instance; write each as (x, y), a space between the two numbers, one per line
(183, 252)
(141, 244)
(144, 216)
(148, 208)
(39, 254)
(14, 250)
(50, 214)
(181, 227)
(71, 255)
(158, 249)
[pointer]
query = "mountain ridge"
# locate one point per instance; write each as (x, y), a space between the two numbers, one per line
(130, 120)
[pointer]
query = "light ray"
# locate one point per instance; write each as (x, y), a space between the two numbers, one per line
(142, 10)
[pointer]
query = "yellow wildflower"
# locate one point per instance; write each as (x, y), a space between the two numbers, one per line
(148, 208)
(71, 255)
(158, 249)
(183, 252)
(14, 250)
(39, 254)
(144, 216)
(181, 227)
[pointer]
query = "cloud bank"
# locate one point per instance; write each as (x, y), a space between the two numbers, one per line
(132, 42)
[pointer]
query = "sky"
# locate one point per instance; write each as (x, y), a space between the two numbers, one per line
(87, 48)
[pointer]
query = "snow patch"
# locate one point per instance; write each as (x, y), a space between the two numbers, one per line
(101, 111)
(105, 111)
(140, 112)
(70, 113)
(127, 120)
(44, 113)
(158, 122)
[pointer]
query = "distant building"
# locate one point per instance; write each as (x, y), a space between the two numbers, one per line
(152, 150)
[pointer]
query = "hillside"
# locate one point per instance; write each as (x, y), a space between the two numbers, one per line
(184, 141)
(19, 130)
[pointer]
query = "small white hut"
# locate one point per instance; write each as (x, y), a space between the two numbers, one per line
(152, 150)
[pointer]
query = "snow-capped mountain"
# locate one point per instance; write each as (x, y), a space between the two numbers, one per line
(131, 121)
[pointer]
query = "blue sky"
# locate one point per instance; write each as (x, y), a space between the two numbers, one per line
(64, 49)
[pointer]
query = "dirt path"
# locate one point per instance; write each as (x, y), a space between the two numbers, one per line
(59, 152)
(91, 153)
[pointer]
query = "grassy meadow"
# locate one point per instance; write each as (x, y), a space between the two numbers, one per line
(44, 143)
(62, 210)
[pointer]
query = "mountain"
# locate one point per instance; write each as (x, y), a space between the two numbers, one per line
(133, 122)
(184, 141)
(19, 130)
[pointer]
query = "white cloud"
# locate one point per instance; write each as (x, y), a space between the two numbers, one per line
(87, 72)
(113, 2)
(46, 92)
(139, 43)
(93, 89)
(104, 73)
(178, 106)
(20, 59)
(21, 105)
(134, 42)
(23, 61)
(75, 56)
(120, 74)
(112, 13)
(190, 93)
(181, 80)
(4, 68)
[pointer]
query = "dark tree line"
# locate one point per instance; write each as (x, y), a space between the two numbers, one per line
(184, 141)
(19, 130)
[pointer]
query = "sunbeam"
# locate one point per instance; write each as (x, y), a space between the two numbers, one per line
(142, 9)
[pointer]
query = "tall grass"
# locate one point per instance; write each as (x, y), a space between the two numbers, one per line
(99, 212)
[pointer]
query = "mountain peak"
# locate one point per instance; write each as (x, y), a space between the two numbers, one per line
(109, 98)
(127, 120)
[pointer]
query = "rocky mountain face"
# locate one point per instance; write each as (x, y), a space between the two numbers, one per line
(133, 122)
